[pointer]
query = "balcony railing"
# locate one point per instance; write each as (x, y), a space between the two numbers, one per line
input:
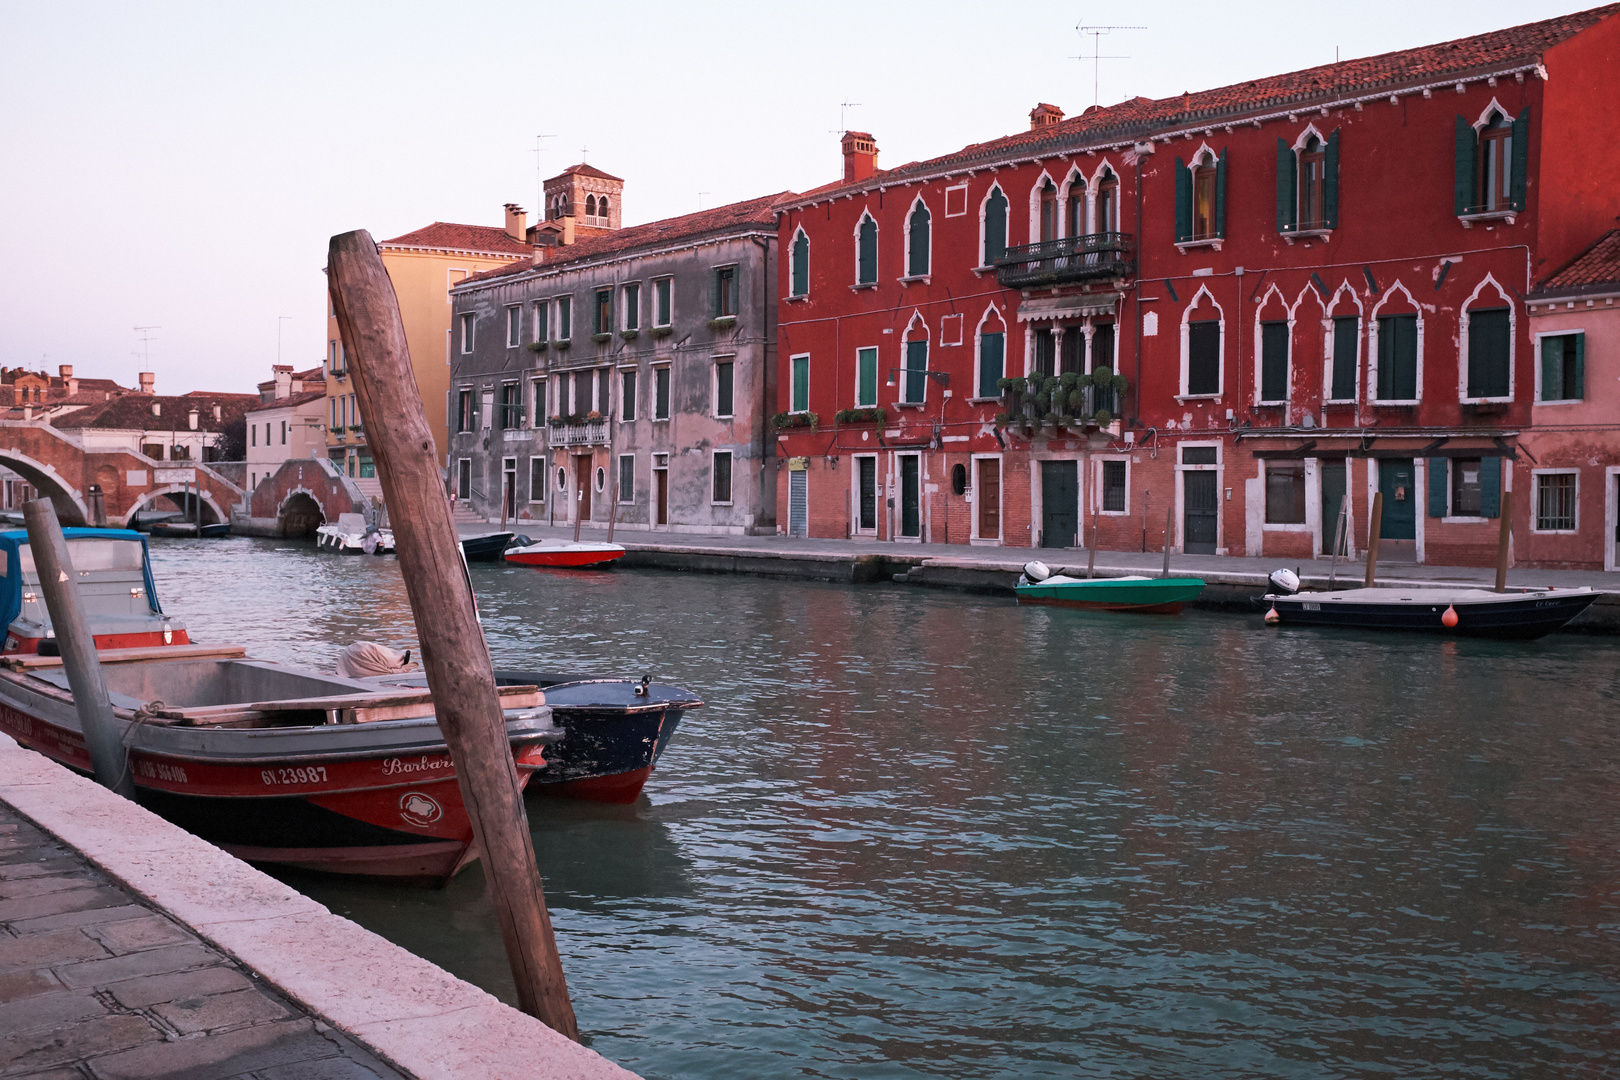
(1073, 258)
(590, 433)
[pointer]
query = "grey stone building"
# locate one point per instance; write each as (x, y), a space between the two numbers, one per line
(622, 374)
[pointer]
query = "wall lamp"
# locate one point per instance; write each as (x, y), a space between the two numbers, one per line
(941, 377)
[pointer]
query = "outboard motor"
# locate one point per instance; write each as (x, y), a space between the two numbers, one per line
(1285, 582)
(1034, 573)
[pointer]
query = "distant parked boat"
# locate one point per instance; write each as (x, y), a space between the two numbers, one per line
(1523, 614)
(1163, 595)
(488, 547)
(561, 553)
(352, 536)
(174, 529)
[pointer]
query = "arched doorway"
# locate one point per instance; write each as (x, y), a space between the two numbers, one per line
(300, 516)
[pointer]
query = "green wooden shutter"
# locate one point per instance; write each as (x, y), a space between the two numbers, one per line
(916, 364)
(995, 226)
(1552, 369)
(1521, 159)
(1488, 334)
(1220, 195)
(920, 218)
(801, 265)
(1274, 361)
(801, 384)
(1438, 476)
(1579, 390)
(1490, 487)
(867, 268)
(866, 377)
(1462, 198)
(1287, 186)
(992, 362)
(1346, 347)
(1330, 181)
(1183, 201)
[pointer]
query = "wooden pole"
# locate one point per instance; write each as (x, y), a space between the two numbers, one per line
(504, 495)
(454, 654)
(1091, 552)
(579, 496)
(1339, 528)
(1169, 523)
(108, 758)
(1372, 537)
(1502, 537)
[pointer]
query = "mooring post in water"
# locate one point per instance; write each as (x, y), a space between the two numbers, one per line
(1372, 537)
(1091, 552)
(1502, 538)
(454, 654)
(98, 506)
(108, 758)
(1169, 523)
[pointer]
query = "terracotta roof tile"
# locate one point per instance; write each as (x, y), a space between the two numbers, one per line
(301, 398)
(481, 238)
(583, 169)
(133, 412)
(1140, 117)
(759, 212)
(1596, 266)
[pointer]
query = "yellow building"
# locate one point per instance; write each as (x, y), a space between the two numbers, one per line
(422, 265)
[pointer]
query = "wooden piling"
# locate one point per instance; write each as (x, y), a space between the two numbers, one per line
(1091, 551)
(1169, 524)
(1503, 535)
(1372, 537)
(108, 758)
(454, 653)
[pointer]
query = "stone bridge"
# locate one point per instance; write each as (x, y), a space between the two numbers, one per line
(63, 471)
(296, 498)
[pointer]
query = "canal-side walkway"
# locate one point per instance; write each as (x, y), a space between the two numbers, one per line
(130, 948)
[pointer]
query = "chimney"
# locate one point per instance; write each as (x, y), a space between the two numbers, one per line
(217, 416)
(147, 378)
(516, 220)
(283, 380)
(66, 371)
(193, 418)
(1044, 115)
(157, 408)
(860, 155)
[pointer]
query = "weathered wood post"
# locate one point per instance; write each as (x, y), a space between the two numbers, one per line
(1091, 552)
(1502, 537)
(1169, 523)
(98, 506)
(108, 758)
(1372, 537)
(454, 654)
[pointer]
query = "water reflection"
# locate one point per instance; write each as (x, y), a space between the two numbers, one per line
(920, 834)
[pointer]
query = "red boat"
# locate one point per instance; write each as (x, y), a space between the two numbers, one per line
(562, 553)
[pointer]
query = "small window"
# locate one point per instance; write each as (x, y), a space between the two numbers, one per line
(866, 362)
(799, 283)
(1555, 502)
(514, 326)
(992, 363)
(1204, 357)
(722, 388)
(604, 312)
(537, 479)
(1285, 493)
(627, 395)
(1563, 364)
(253, 435)
(722, 476)
(562, 478)
(627, 478)
(464, 411)
(725, 291)
(1397, 358)
(958, 473)
(601, 478)
(917, 240)
(1113, 487)
(1198, 455)
(511, 408)
(799, 390)
(467, 327)
(956, 205)
(565, 318)
(632, 306)
(1489, 338)
(542, 320)
(602, 208)
(661, 393)
(866, 252)
(661, 301)
(1465, 487)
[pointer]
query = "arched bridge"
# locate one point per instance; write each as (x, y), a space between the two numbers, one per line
(63, 471)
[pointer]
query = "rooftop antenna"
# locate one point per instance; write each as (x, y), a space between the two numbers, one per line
(843, 108)
(539, 174)
(146, 337)
(700, 198)
(1097, 33)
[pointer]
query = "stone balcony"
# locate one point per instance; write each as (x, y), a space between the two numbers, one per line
(589, 433)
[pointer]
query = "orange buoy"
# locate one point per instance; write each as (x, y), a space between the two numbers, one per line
(1272, 618)
(1449, 619)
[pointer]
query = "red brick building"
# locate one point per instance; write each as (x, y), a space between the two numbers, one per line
(1247, 307)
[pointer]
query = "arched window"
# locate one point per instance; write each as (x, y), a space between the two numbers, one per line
(1107, 215)
(917, 240)
(1074, 215)
(1312, 173)
(1049, 211)
(915, 383)
(602, 207)
(590, 206)
(866, 251)
(799, 282)
(1203, 202)
(1495, 183)
(995, 226)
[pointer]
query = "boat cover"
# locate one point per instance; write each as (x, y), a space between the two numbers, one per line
(12, 541)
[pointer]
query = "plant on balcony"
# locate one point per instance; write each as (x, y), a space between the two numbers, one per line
(629, 335)
(794, 420)
(599, 338)
(566, 420)
(563, 344)
(592, 416)
(662, 331)
(537, 346)
(723, 322)
(861, 416)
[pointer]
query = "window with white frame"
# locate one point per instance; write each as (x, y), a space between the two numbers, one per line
(1556, 503)
(866, 363)
(722, 477)
(468, 324)
(627, 478)
(723, 387)
(542, 320)
(627, 395)
(1561, 373)
(1490, 337)
(919, 232)
(1114, 486)
(866, 237)
(514, 326)
(632, 305)
(537, 402)
(537, 479)
(661, 393)
(565, 318)
(1285, 492)
(663, 301)
(799, 384)
(1203, 358)
(994, 226)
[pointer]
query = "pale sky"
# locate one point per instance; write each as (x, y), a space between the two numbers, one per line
(184, 165)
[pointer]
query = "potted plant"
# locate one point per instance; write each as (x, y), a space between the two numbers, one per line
(537, 346)
(629, 335)
(794, 420)
(599, 338)
(662, 331)
(722, 322)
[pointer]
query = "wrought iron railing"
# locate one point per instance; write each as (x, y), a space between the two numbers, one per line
(1072, 258)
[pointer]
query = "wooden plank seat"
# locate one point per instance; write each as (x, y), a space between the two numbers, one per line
(30, 661)
(339, 709)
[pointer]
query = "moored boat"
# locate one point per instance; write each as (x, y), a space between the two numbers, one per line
(350, 535)
(487, 547)
(1523, 615)
(1133, 592)
(562, 553)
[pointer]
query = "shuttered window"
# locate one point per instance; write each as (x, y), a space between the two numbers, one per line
(866, 378)
(916, 364)
(1563, 367)
(661, 301)
(627, 478)
(632, 306)
(661, 393)
(992, 363)
(1397, 358)
(722, 388)
(604, 312)
(1274, 361)
(1491, 164)
(866, 253)
(725, 291)
(1488, 339)
(1204, 357)
(918, 229)
(514, 326)
(1346, 352)
(799, 391)
(722, 476)
(627, 395)
(799, 285)
(995, 226)
(565, 318)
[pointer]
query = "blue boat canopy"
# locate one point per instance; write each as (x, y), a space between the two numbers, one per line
(89, 549)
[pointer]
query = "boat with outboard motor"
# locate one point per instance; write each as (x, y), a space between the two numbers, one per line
(352, 536)
(562, 553)
(1523, 614)
(272, 763)
(1064, 587)
(487, 547)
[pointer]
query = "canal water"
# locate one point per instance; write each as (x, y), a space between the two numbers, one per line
(923, 834)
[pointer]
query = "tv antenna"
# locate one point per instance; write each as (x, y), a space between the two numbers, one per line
(843, 108)
(700, 198)
(539, 175)
(146, 336)
(1097, 33)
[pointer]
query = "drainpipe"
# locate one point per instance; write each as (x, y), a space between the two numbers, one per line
(763, 437)
(1136, 378)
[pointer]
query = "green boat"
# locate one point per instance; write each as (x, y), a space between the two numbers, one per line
(1160, 595)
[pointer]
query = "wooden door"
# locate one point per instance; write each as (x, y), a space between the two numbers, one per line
(1060, 504)
(1200, 496)
(582, 480)
(866, 493)
(987, 494)
(798, 503)
(1333, 487)
(910, 496)
(1395, 480)
(660, 496)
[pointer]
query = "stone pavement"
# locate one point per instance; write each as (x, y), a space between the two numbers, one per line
(97, 985)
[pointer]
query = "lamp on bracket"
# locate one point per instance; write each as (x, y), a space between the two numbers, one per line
(941, 377)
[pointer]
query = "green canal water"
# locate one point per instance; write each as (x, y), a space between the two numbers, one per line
(921, 834)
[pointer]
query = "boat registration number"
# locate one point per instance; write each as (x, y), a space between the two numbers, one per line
(313, 774)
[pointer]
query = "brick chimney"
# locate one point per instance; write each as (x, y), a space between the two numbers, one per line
(516, 221)
(147, 379)
(860, 155)
(284, 380)
(1044, 115)
(65, 370)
